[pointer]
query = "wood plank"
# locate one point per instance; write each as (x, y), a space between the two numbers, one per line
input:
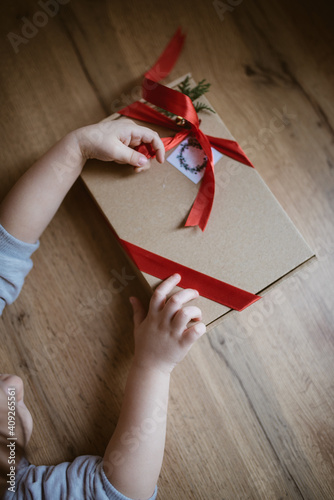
(251, 408)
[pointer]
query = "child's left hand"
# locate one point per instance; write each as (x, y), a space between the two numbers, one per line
(114, 140)
(164, 335)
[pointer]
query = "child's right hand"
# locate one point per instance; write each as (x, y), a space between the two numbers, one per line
(162, 338)
(115, 140)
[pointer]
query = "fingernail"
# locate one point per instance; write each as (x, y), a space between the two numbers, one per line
(200, 328)
(142, 161)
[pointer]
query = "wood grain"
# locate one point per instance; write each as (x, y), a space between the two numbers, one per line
(251, 408)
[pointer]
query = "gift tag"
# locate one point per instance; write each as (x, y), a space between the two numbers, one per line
(190, 159)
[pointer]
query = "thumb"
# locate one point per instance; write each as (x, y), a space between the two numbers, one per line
(139, 312)
(125, 154)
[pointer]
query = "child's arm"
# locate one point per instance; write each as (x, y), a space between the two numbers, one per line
(133, 457)
(30, 205)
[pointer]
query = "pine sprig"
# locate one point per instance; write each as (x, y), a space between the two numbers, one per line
(194, 93)
(199, 106)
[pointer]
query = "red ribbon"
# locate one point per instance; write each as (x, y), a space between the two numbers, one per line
(181, 105)
(208, 287)
(168, 58)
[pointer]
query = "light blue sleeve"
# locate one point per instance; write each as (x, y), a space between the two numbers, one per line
(15, 264)
(82, 479)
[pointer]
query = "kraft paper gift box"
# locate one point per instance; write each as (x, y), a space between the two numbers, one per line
(249, 241)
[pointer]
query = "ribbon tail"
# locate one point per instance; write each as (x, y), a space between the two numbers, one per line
(231, 149)
(168, 58)
(202, 206)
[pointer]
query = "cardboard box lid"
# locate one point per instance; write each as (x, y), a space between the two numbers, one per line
(249, 241)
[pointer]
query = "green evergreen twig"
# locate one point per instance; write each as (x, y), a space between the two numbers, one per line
(194, 93)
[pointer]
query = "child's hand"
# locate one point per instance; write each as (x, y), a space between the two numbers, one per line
(114, 140)
(162, 338)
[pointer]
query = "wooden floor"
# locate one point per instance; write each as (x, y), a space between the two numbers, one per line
(251, 408)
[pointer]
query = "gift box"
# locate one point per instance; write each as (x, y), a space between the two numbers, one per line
(249, 243)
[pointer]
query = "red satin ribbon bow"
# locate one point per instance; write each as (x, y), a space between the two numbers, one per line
(182, 106)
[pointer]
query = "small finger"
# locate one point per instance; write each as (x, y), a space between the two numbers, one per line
(147, 166)
(178, 299)
(184, 316)
(160, 294)
(193, 333)
(153, 138)
(125, 154)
